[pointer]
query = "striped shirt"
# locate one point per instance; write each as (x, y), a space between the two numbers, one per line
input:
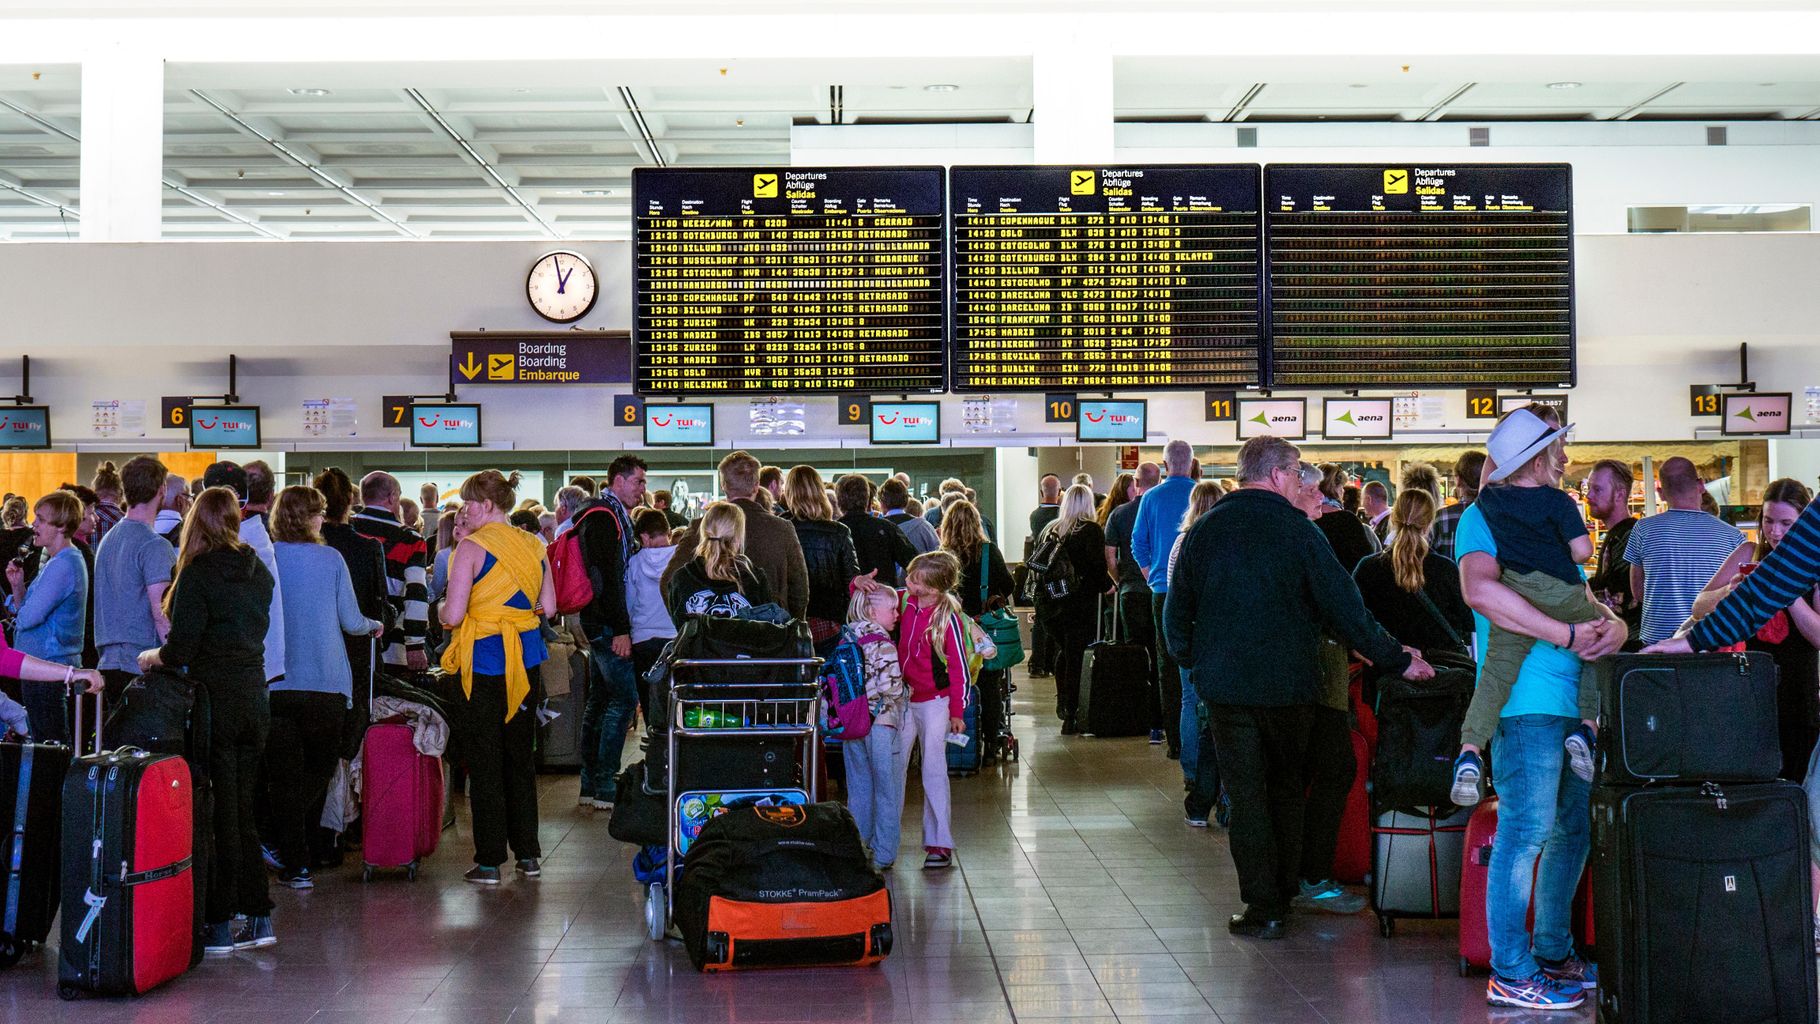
(1788, 574)
(1447, 525)
(1679, 550)
(407, 589)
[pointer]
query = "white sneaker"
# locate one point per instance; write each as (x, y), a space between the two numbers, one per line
(601, 805)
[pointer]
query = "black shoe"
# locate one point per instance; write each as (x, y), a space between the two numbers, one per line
(1256, 926)
(1069, 728)
(1173, 753)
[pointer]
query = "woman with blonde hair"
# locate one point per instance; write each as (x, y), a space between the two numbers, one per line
(931, 648)
(50, 615)
(499, 584)
(1401, 584)
(1071, 618)
(827, 551)
(719, 581)
(219, 606)
(986, 584)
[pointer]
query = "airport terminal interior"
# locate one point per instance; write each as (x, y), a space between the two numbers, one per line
(1030, 260)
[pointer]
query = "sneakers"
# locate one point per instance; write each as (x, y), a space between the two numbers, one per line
(1156, 737)
(1571, 972)
(601, 805)
(1580, 746)
(260, 932)
(1256, 926)
(218, 939)
(528, 867)
(243, 933)
(585, 801)
(482, 875)
(1327, 897)
(1536, 992)
(270, 856)
(1196, 820)
(938, 857)
(1468, 780)
(297, 878)
(1222, 811)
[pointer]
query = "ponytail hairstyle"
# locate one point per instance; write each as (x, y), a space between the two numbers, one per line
(494, 488)
(107, 482)
(1412, 517)
(212, 525)
(940, 571)
(723, 542)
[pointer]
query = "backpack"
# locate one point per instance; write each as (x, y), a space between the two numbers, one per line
(846, 714)
(1419, 733)
(569, 569)
(1051, 570)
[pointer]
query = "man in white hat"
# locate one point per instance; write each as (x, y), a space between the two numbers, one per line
(1544, 809)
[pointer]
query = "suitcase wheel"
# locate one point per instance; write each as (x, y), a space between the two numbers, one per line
(11, 951)
(1465, 967)
(718, 948)
(68, 992)
(882, 939)
(366, 872)
(1387, 926)
(655, 911)
(410, 871)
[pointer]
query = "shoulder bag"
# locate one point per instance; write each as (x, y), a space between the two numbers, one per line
(999, 624)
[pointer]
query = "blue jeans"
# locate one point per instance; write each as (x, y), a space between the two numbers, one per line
(1543, 810)
(607, 716)
(1190, 728)
(875, 789)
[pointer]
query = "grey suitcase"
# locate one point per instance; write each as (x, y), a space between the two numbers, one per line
(1415, 865)
(559, 741)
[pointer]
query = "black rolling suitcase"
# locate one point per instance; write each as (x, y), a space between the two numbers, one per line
(1703, 905)
(1115, 686)
(1688, 718)
(31, 797)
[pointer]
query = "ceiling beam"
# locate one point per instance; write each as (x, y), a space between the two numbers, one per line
(1434, 113)
(1238, 111)
(479, 161)
(1635, 108)
(640, 127)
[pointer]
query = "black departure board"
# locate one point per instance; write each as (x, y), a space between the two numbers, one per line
(1130, 277)
(1420, 275)
(789, 279)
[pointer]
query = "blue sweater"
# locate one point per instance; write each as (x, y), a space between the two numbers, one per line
(54, 615)
(319, 606)
(1159, 520)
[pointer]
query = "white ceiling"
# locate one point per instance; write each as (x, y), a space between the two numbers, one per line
(549, 147)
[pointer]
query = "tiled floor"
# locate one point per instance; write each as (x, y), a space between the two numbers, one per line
(1078, 894)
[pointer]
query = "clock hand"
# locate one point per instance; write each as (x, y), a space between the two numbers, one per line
(562, 279)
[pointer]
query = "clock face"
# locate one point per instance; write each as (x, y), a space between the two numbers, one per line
(561, 287)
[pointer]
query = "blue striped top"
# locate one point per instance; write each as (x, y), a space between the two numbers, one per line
(1679, 549)
(1789, 573)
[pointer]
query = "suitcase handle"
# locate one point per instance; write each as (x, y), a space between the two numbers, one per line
(76, 736)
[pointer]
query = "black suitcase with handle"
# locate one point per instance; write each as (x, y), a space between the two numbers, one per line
(31, 798)
(1702, 904)
(1115, 686)
(1688, 718)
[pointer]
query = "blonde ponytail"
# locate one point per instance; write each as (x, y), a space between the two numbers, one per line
(1412, 518)
(723, 541)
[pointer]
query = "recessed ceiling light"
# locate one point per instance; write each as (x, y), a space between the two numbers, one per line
(596, 191)
(308, 92)
(739, 122)
(941, 88)
(1564, 85)
(274, 193)
(1358, 85)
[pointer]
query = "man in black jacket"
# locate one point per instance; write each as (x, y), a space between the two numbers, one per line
(878, 544)
(1264, 583)
(607, 542)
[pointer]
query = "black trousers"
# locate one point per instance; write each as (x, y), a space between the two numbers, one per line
(1204, 792)
(644, 655)
(502, 772)
(301, 752)
(1261, 752)
(1328, 776)
(239, 718)
(1137, 625)
(1042, 649)
(1072, 626)
(993, 711)
(1168, 679)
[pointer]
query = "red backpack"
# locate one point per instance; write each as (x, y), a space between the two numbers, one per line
(569, 570)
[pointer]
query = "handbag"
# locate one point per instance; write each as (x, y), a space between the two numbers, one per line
(1000, 625)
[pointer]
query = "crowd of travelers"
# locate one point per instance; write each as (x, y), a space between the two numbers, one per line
(1262, 600)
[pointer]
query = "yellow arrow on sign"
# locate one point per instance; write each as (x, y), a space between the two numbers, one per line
(469, 368)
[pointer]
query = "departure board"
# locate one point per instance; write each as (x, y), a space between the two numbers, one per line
(788, 280)
(1409, 275)
(1131, 277)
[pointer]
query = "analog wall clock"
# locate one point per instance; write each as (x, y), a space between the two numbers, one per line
(561, 286)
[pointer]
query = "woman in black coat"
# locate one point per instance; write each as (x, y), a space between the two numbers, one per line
(964, 537)
(1395, 582)
(827, 551)
(1073, 620)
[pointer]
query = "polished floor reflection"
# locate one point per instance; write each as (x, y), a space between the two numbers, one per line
(1078, 893)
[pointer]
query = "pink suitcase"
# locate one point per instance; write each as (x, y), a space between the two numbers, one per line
(400, 803)
(1475, 940)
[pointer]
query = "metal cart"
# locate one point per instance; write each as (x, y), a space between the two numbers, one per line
(749, 698)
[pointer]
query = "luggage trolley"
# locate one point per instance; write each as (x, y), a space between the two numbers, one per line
(746, 699)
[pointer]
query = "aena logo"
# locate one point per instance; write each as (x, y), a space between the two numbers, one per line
(1349, 419)
(1753, 415)
(1267, 419)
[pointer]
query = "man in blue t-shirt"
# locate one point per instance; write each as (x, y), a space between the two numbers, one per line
(1544, 810)
(1159, 520)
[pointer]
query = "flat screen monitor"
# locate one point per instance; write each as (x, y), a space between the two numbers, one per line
(222, 427)
(1362, 419)
(445, 426)
(25, 427)
(687, 425)
(1756, 414)
(906, 422)
(1286, 418)
(1108, 420)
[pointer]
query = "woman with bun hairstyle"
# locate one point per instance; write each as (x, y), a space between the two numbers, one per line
(499, 585)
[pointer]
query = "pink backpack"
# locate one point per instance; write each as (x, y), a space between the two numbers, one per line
(568, 570)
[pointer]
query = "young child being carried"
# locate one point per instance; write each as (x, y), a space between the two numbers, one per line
(875, 762)
(1541, 541)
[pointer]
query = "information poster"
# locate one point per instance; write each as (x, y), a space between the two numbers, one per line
(330, 417)
(788, 280)
(1418, 275)
(1130, 278)
(118, 417)
(777, 417)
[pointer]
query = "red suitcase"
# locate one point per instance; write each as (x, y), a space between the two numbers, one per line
(400, 801)
(1475, 875)
(128, 892)
(1352, 856)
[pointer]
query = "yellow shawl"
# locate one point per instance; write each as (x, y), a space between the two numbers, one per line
(520, 566)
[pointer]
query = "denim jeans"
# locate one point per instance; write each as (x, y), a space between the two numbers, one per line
(1190, 728)
(1543, 810)
(606, 718)
(875, 789)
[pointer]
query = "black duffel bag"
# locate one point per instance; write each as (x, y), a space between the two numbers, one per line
(1419, 733)
(1688, 718)
(639, 815)
(164, 712)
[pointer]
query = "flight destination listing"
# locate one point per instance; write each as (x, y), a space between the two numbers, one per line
(1131, 277)
(789, 280)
